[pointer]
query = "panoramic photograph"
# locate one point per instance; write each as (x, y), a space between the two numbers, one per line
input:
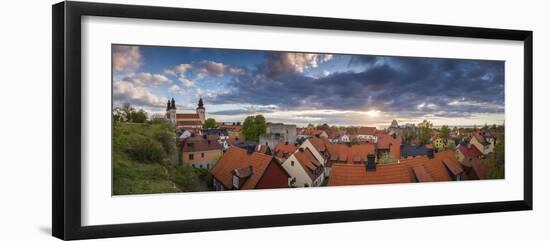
(191, 119)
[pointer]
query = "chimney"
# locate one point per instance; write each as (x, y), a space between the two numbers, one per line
(286, 142)
(430, 153)
(371, 163)
(250, 148)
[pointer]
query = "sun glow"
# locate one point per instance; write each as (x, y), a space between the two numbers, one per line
(373, 113)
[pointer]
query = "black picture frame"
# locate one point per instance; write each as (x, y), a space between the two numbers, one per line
(66, 153)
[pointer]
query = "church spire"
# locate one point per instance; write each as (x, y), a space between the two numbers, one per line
(173, 104)
(201, 105)
(168, 106)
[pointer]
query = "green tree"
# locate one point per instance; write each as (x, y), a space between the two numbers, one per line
(309, 126)
(425, 132)
(141, 152)
(386, 158)
(323, 127)
(209, 123)
(355, 141)
(128, 113)
(445, 132)
(253, 127)
(498, 170)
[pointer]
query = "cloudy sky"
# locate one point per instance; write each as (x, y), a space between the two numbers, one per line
(302, 88)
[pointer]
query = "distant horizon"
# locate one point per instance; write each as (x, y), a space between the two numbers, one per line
(301, 88)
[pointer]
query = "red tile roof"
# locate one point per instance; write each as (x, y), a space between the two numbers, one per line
(187, 116)
(311, 165)
(199, 143)
(189, 123)
(436, 167)
(453, 166)
(422, 174)
(353, 154)
(284, 150)
(319, 143)
(348, 174)
(470, 151)
(312, 132)
(476, 169)
(406, 171)
(334, 133)
(384, 141)
(237, 159)
(367, 131)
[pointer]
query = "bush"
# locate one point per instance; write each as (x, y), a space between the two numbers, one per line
(143, 149)
(185, 178)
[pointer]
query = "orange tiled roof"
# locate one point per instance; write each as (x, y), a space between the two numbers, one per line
(319, 143)
(476, 169)
(236, 159)
(367, 131)
(422, 174)
(284, 150)
(353, 154)
(470, 151)
(189, 123)
(312, 132)
(199, 143)
(436, 166)
(384, 142)
(311, 165)
(348, 174)
(187, 116)
(409, 170)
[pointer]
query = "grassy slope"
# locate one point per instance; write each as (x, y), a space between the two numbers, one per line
(147, 176)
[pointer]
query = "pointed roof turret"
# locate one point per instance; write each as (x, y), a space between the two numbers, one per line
(173, 104)
(201, 105)
(168, 105)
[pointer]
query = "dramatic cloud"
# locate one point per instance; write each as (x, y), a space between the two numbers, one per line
(174, 89)
(211, 69)
(180, 69)
(126, 92)
(279, 63)
(146, 79)
(126, 58)
(410, 86)
(186, 82)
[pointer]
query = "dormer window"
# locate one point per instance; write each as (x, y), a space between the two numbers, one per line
(235, 182)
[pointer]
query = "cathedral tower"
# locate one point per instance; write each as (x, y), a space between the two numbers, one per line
(171, 111)
(201, 111)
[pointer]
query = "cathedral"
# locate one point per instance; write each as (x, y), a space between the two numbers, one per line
(186, 120)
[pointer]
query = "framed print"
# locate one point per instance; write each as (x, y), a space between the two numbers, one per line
(171, 120)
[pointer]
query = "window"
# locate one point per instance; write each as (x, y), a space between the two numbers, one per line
(191, 156)
(202, 155)
(235, 182)
(292, 163)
